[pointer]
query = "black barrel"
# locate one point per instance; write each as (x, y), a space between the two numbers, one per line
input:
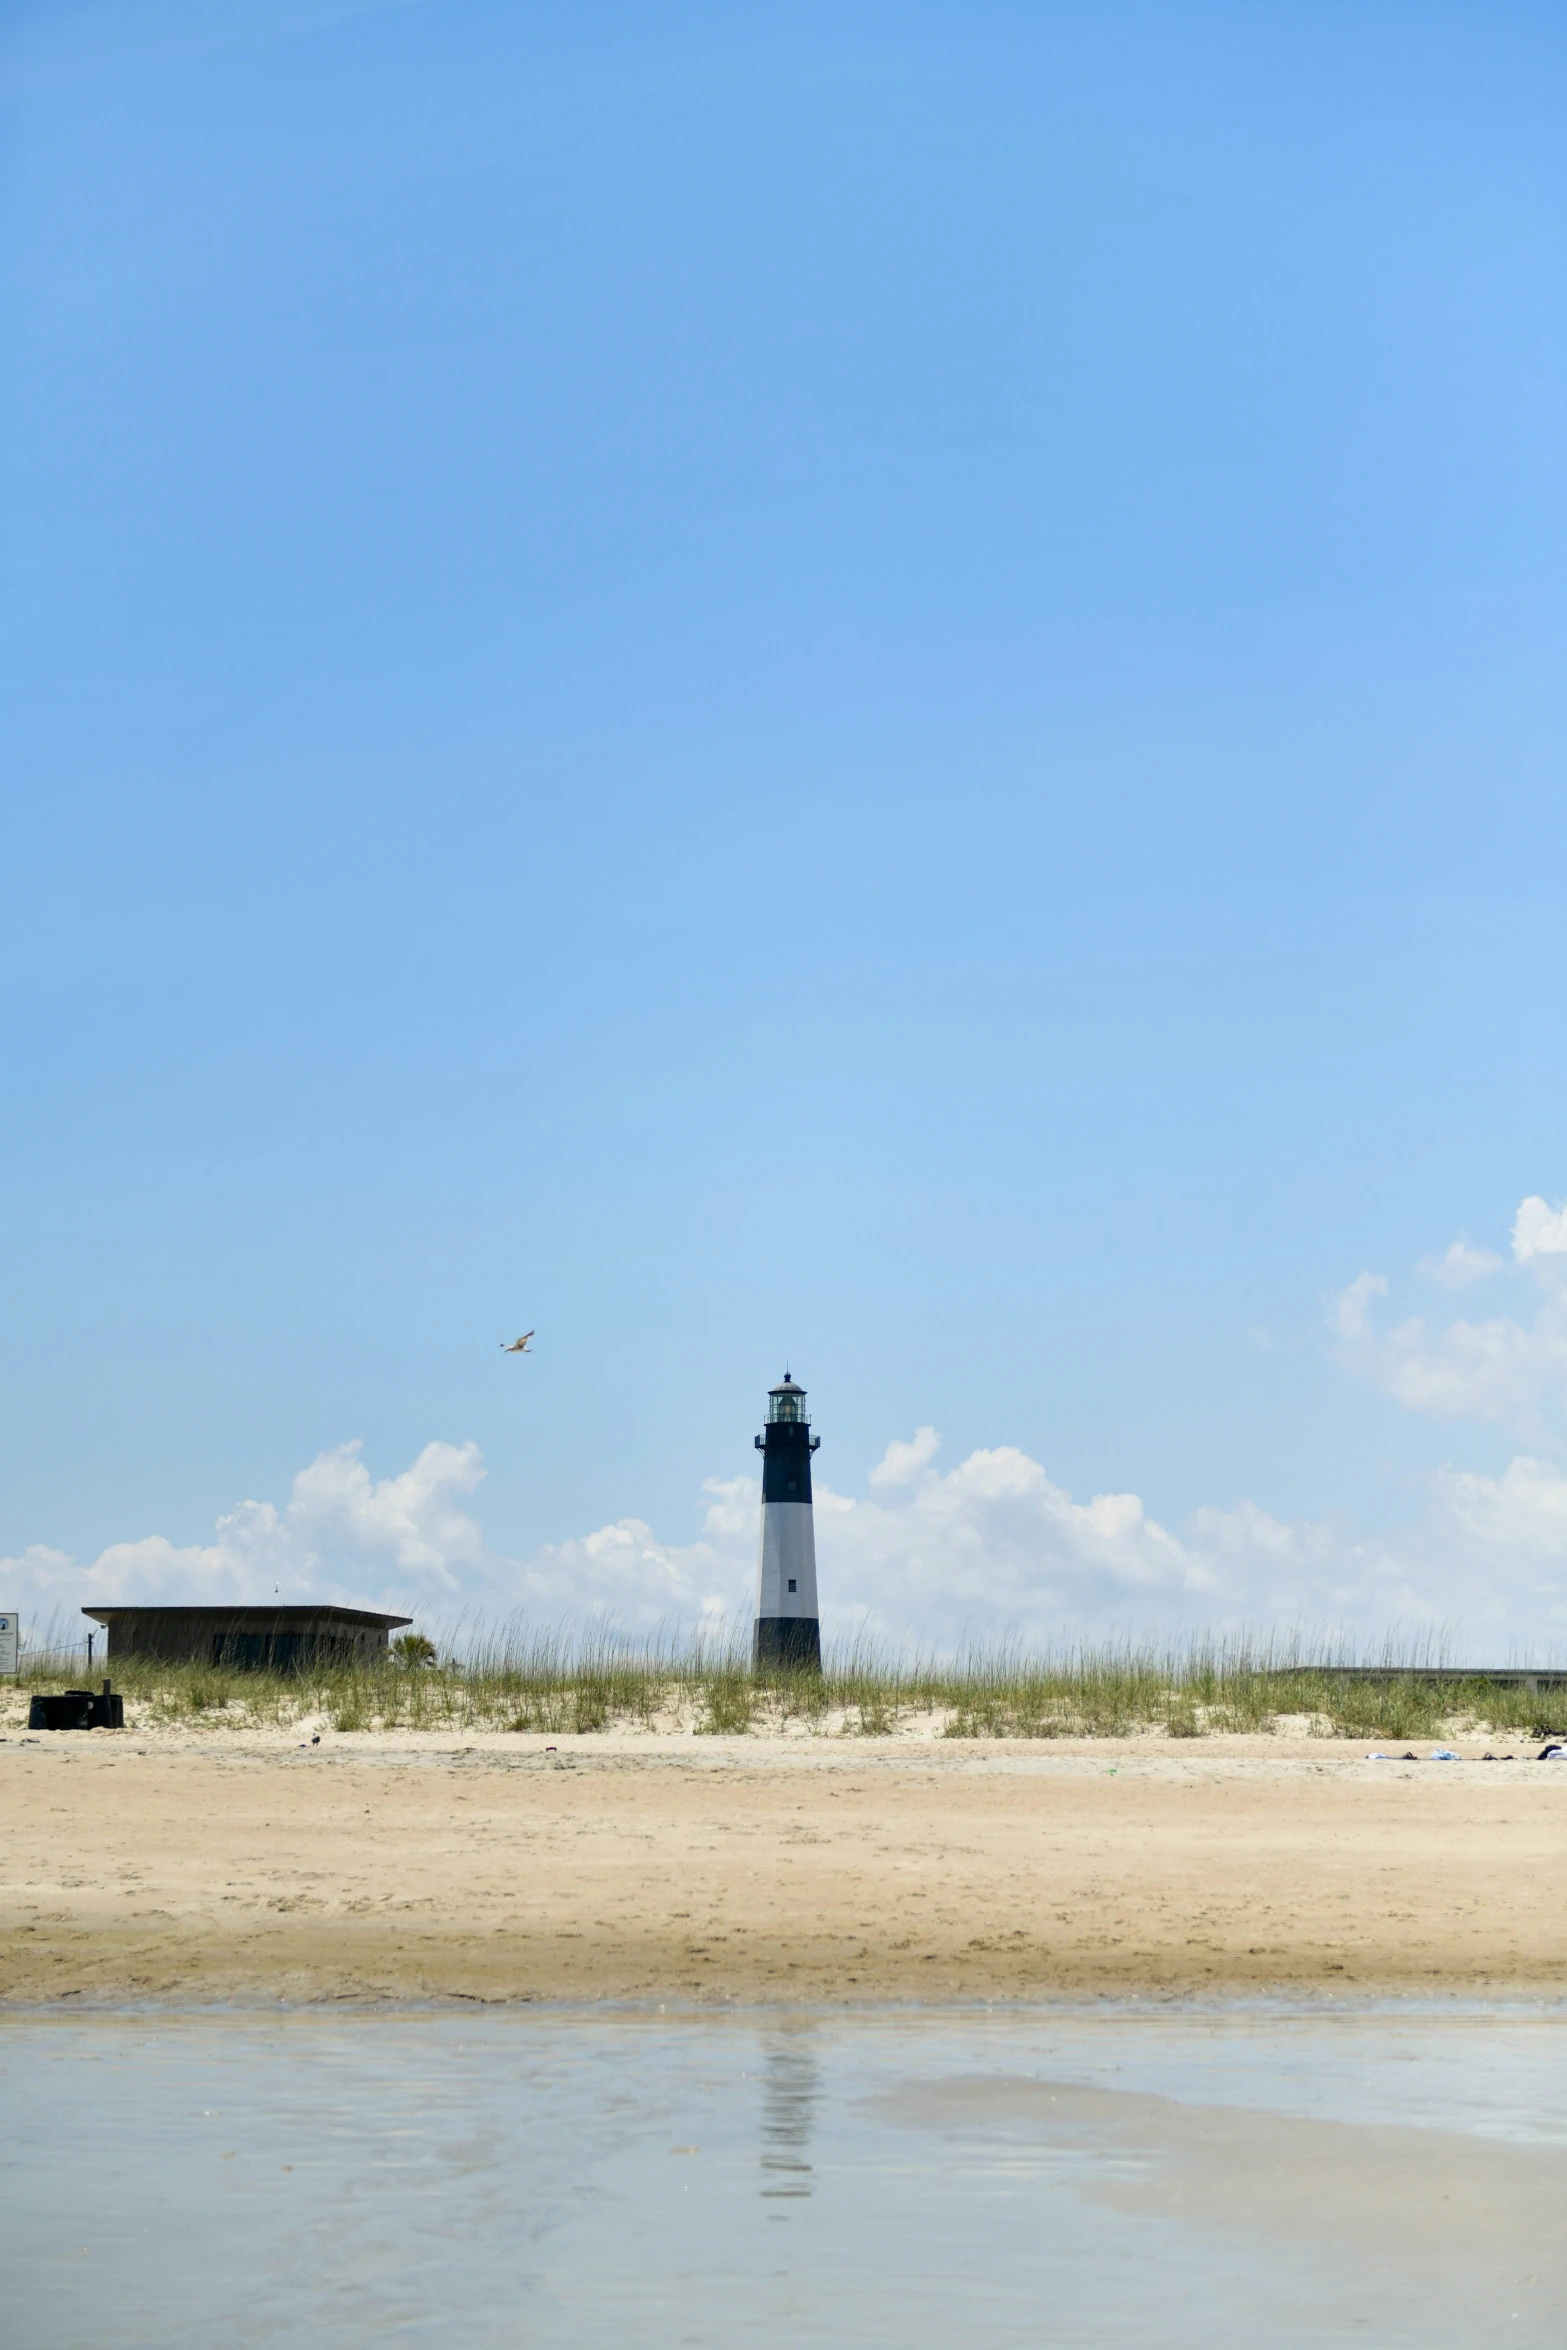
(71, 1710)
(78, 1709)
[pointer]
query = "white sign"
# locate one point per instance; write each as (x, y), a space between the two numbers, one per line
(8, 1637)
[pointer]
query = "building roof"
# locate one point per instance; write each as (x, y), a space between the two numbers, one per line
(282, 1617)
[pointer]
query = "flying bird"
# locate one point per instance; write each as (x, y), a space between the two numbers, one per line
(518, 1346)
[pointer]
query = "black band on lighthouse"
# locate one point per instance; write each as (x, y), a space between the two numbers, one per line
(786, 1463)
(790, 1644)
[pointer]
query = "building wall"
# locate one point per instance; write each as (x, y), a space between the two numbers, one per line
(248, 1639)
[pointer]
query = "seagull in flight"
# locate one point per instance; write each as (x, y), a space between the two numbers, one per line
(518, 1346)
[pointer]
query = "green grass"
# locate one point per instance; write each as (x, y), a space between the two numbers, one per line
(516, 1680)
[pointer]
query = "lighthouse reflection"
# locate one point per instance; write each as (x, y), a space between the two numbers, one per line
(790, 2081)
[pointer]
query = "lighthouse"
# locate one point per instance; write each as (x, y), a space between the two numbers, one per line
(788, 1629)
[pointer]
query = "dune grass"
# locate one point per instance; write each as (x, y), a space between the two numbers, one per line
(525, 1680)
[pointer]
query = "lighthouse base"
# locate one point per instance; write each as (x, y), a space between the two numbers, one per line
(786, 1644)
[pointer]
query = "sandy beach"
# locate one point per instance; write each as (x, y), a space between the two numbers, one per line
(182, 1867)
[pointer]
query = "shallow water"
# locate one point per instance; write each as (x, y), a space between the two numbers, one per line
(524, 2177)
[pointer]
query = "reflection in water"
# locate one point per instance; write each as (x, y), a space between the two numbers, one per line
(789, 2090)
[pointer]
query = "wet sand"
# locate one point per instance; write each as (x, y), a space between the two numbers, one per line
(186, 1868)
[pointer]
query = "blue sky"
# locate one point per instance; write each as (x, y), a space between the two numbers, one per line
(870, 684)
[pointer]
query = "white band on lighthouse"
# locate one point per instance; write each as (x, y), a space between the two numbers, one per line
(786, 1580)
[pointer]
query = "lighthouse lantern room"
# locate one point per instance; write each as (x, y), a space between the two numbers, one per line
(788, 1634)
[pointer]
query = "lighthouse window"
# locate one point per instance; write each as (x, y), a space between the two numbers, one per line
(793, 1585)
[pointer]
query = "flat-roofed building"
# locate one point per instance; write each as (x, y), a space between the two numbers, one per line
(248, 1639)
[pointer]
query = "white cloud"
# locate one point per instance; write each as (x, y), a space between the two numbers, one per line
(1539, 1231)
(340, 1536)
(992, 1545)
(1499, 1369)
(1460, 1264)
(1524, 1509)
(1483, 1570)
(1273, 1570)
(991, 1549)
(1505, 1368)
(623, 1574)
(1505, 1545)
(901, 1463)
(1351, 1314)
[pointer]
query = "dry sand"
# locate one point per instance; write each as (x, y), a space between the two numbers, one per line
(194, 1867)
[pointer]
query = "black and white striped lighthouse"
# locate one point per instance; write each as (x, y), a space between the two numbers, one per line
(788, 1628)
